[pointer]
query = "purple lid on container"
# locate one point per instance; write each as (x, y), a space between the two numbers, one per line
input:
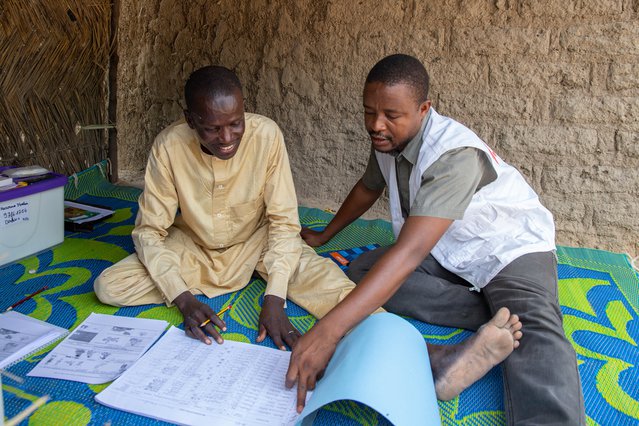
(53, 180)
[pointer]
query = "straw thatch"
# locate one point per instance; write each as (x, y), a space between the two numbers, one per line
(54, 61)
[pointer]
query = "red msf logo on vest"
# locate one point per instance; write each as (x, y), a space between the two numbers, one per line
(492, 153)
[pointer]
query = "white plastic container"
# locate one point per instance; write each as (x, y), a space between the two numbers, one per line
(31, 218)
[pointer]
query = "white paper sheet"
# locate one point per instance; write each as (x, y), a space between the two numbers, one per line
(21, 335)
(14, 213)
(183, 381)
(100, 349)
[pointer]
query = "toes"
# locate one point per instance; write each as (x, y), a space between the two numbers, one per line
(501, 318)
(514, 318)
(517, 335)
(515, 327)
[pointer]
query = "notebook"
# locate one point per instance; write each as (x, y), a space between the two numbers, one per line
(82, 217)
(21, 335)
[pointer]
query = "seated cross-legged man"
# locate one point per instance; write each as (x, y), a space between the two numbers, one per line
(219, 204)
(473, 241)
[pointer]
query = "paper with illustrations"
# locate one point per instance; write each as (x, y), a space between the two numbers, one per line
(21, 335)
(100, 349)
(182, 380)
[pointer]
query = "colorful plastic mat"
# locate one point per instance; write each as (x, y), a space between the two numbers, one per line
(599, 294)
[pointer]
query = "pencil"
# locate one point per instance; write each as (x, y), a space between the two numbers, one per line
(11, 376)
(24, 299)
(218, 314)
(27, 411)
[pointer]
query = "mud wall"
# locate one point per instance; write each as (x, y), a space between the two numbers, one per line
(552, 86)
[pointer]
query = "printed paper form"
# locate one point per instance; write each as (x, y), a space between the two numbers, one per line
(183, 381)
(100, 349)
(21, 335)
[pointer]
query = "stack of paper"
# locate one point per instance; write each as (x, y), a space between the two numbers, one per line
(6, 183)
(181, 380)
(21, 335)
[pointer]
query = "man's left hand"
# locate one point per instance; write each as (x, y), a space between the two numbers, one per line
(275, 323)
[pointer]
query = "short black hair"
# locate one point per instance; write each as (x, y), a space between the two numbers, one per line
(210, 81)
(401, 69)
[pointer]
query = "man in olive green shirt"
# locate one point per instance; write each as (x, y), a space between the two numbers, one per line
(472, 241)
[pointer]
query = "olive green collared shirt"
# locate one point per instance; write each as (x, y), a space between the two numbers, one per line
(448, 185)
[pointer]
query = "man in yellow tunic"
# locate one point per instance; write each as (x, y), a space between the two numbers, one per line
(218, 204)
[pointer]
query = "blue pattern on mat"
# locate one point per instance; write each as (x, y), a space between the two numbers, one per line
(599, 294)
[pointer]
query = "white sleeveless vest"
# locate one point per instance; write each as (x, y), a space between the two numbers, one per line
(504, 220)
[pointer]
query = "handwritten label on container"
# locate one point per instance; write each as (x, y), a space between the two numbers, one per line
(13, 214)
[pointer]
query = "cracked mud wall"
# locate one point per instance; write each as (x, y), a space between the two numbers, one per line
(552, 86)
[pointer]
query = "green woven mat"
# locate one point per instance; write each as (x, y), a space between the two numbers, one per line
(598, 293)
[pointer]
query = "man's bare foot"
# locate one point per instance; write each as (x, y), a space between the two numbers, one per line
(456, 367)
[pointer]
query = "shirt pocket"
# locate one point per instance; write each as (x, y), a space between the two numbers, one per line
(246, 218)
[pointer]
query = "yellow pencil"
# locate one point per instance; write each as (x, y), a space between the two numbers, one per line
(218, 314)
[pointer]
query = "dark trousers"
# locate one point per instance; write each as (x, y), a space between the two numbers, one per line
(541, 379)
